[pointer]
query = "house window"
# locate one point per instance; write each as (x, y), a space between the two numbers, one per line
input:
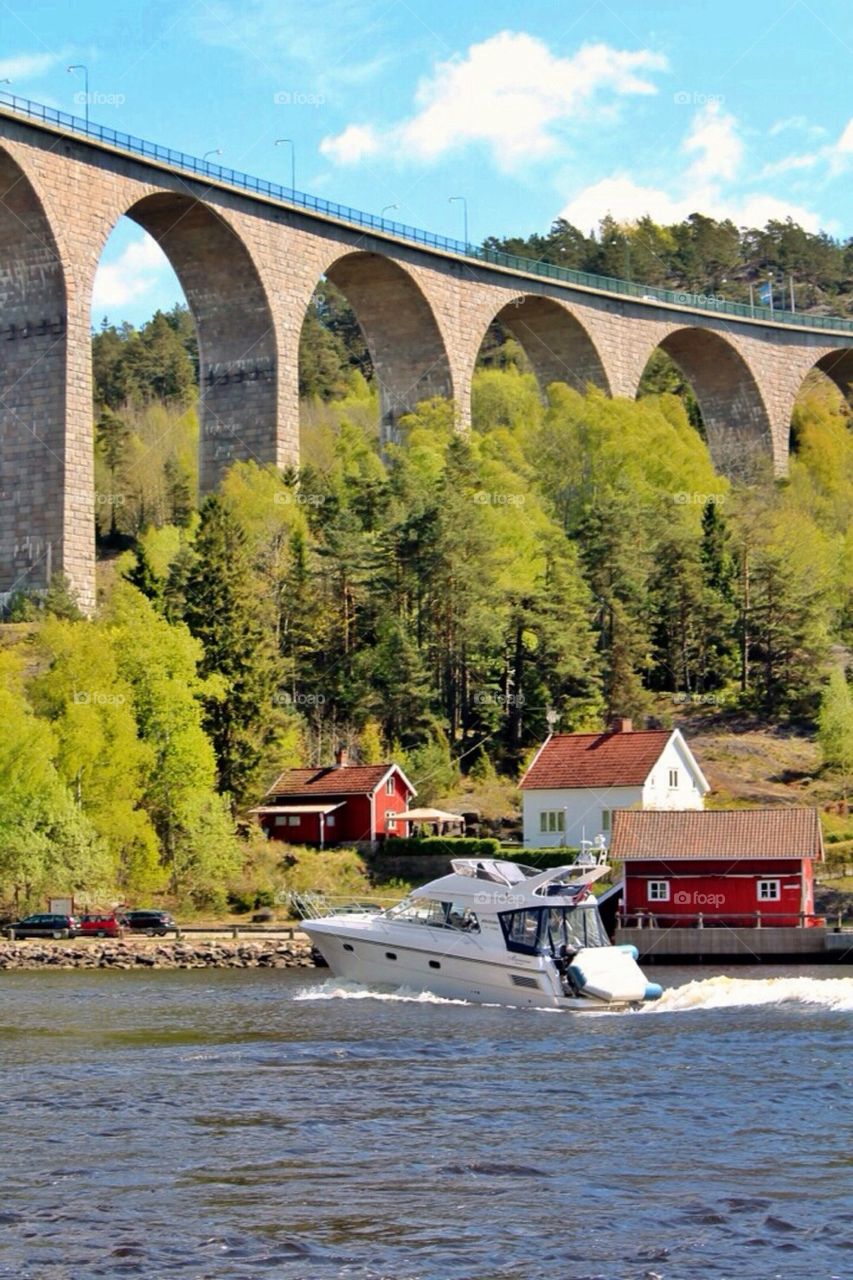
(292, 820)
(658, 891)
(552, 820)
(605, 820)
(389, 787)
(673, 779)
(769, 891)
(392, 821)
(330, 819)
(279, 820)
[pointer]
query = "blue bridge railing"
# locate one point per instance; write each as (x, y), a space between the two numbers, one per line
(196, 168)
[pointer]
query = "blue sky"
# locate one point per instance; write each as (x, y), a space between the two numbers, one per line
(739, 108)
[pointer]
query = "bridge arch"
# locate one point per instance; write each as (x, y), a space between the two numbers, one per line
(736, 418)
(557, 344)
(228, 301)
(400, 329)
(838, 365)
(34, 453)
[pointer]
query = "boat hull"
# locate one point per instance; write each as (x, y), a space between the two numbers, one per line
(451, 969)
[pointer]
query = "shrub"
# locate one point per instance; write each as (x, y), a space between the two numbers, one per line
(452, 846)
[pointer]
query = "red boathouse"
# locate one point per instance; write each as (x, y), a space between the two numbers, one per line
(738, 867)
(337, 804)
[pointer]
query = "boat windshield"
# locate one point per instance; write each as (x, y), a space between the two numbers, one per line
(546, 929)
(439, 915)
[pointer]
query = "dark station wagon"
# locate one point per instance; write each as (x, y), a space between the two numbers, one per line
(45, 925)
(154, 923)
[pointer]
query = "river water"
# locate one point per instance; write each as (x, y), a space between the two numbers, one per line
(273, 1124)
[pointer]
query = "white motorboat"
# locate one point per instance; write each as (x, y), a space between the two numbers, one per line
(491, 931)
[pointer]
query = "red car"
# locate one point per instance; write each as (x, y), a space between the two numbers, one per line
(100, 926)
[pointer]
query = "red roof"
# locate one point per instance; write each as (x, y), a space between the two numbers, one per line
(596, 759)
(331, 780)
(721, 833)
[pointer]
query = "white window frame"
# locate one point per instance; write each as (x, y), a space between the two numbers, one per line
(293, 820)
(673, 780)
(391, 820)
(606, 821)
(552, 822)
(330, 819)
(389, 787)
(774, 887)
(657, 891)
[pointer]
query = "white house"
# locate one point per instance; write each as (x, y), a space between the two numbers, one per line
(576, 780)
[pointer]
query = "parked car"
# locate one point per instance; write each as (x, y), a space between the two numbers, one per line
(44, 926)
(99, 925)
(153, 923)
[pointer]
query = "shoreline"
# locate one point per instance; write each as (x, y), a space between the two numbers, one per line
(154, 953)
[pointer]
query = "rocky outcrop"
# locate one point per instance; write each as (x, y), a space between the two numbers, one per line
(144, 954)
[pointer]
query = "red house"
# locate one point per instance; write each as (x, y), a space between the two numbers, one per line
(337, 804)
(737, 867)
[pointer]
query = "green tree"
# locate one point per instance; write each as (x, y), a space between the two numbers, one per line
(221, 610)
(161, 661)
(835, 727)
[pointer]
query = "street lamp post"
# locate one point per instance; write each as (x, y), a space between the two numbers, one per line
(387, 208)
(216, 151)
(79, 66)
(770, 290)
(462, 200)
(292, 146)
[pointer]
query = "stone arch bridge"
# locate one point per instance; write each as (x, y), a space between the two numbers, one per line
(249, 255)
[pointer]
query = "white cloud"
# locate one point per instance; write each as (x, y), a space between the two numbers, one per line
(28, 66)
(790, 164)
(835, 156)
(714, 139)
(321, 42)
(704, 186)
(511, 93)
(798, 124)
(355, 143)
(626, 201)
(137, 270)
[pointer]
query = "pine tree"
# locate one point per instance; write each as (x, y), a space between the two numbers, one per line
(222, 611)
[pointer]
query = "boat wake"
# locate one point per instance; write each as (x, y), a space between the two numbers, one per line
(730, 993)
(335, 989)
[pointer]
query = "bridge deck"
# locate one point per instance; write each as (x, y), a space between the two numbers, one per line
(260, 188)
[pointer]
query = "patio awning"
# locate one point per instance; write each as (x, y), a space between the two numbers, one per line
(429, 815)
(300, 809)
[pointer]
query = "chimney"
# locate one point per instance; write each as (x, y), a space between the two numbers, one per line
(341, 760)
(621, 724)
